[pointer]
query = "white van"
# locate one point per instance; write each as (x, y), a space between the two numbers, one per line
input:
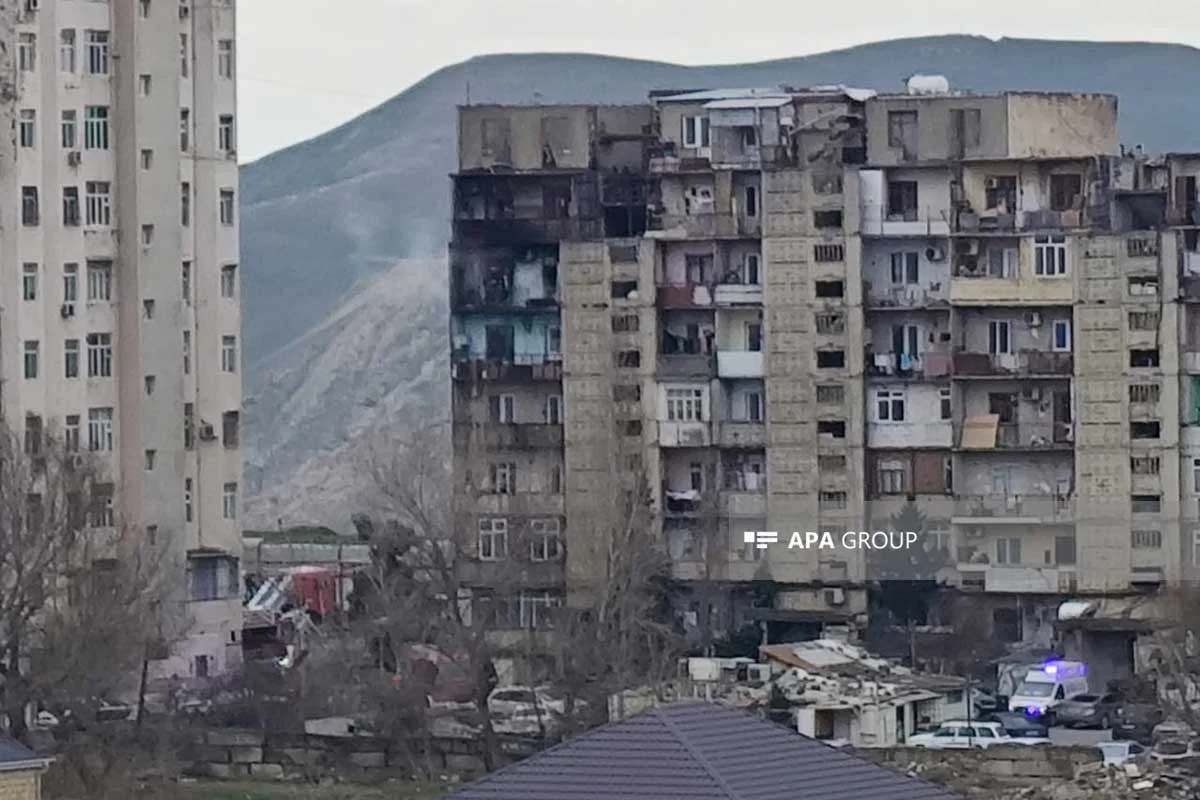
(1046, 687)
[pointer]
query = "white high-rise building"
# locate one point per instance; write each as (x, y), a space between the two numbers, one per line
(119, 301)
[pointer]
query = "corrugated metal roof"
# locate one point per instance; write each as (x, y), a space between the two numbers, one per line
(748, 102)
(719, 94)
(697, 751)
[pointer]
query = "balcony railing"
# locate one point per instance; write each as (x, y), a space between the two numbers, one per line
(1016, 507)
(902, 297)
(745, 504)
(684, 434)
(738, 294)
(735, 433)
(1023, 436)
(1027, 363)
(699, 226)
(504, 436)
(515, 367)
(1012, 578)
(533, 230)
(686, 365)
(926, 221)
(688, 295)
(740, 364)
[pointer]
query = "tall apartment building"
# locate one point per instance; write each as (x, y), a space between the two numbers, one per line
(802, 310)
(120, 305)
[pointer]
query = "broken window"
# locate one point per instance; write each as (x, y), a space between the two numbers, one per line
(832, 501)
(1145, 465)
(625, 323)
(1143, 358)
(499, 342)
(629, 358)
(1065, 191)
(1146, 503)
(751, 201)
(494, 135)
(623, 253)
(965, 124)
(1144, 430)
(830, 289)
(831, 394)
(831, 323)
(831, 359)
(902, 132)
(627, 393)
(1143, 287)
(1143, 320)
(902, 200)
(832, 427)
(831, 464)
(828, 219)
(621, 290)
(556, 140)
(1000, 193)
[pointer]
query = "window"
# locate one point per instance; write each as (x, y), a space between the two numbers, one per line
(100, 429)
(830, 218)
(535, 609)
(66, 50)
(144, 8)
(493, 539)
(695, 132)
(502, 478)
(189, 426)
(185, 204)
(1143, 320)
(98, 204)
(70, 139)
(1196, 474)
(229, 500)
(1145, 465)
(187, 499)
(231, 421)
(185, 282)
(554, 415)
(831, 395)
(99, 353)
(225, 58)
(545, 543)
(1065, 191)
(27, 128)
(1145, 430)
(965, 124)
(1146, 503)
(831, 359)
(187, 352)
(1061, 336)
(144, 84)
(100, 511)
(71, 358)
(33, 434)
(71, 433)
(1050, 256)
(905, 268)
(211, 578)
(147, 235)
(828, 253)
(1000, 337)
(944, 401)
(1143, 286)
(27, 52)
(32, 349)
(30, 208)
(889, 406)
(828, 290)
(753, 406)
(754, 337)
(902, 130)
(553, 339)
(149, 381)
(892, 478)
(70, 206)
(229, 354)
(97, 52)
(99, 279)
(29, 280)
(752, 269)
(834, 428)
(831, 501)
(751, 201)
(831, 464)
(70, 283)
(225, 141)
(502, 409)
(147, 158)
(685, 405)
(150, 457)
(1008, 551)
(1144, 393)
(1143, 359)
(903, 200)
(225, 206)
(184, 55)
(185, 126)
(627, 394)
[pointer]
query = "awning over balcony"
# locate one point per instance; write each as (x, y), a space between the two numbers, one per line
(980, 432)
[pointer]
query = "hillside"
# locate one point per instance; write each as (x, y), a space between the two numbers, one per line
(323, 219)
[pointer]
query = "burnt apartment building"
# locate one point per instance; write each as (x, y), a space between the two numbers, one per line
(805, 309)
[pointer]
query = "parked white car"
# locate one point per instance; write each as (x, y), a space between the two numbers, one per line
(519, 701)
(1168, 750)
(959, 734)
(1118, 753)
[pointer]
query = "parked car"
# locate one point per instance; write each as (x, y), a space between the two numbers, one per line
(1118, 753)
(1087, 711)
(1018, 725)
(1136, 721)
(519, 701)
(959, 734)
(1172, 729)
(983, 701)
(1166, 750)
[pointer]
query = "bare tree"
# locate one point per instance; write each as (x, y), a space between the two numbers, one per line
(1172, 654)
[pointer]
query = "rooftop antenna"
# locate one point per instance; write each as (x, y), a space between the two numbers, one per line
(468, 93)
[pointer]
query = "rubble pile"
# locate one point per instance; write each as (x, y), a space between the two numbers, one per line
(1092, 781)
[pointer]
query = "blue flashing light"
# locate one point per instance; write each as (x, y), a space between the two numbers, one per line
(1032, 711)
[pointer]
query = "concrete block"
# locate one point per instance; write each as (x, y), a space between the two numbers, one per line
(369, 759)
(246, 755)
(1002, 767)
(272, 771)
(234, 738)
(218, 770)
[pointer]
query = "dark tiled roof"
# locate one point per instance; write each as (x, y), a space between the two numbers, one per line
(696, 751)
(13, 752)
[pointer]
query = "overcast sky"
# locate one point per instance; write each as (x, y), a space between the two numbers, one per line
(309, 65)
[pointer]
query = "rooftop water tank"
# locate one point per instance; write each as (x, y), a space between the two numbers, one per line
(928, 84)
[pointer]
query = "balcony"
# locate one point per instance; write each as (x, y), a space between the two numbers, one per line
(907, 435)
(902, 298)
(685, 504)
(691, 295)
(1026, 364)
(736, 433)
(984, 433)
(916, 222)
(1017, 579)
(502, 436)
(508, 368)
(684, 434)
(686, 365)
(700, 226)
(513, 573)
(744, 505)
(739, 364)
(930, 364)
(1013, 509)
(530, 231)
(738, 294)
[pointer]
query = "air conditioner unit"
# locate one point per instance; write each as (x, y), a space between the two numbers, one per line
(73, 158)
(967, 247)
(935, 254)
(67, 310)
(990, 183)
(207, 434)
(758, 672)
(1034, 318)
